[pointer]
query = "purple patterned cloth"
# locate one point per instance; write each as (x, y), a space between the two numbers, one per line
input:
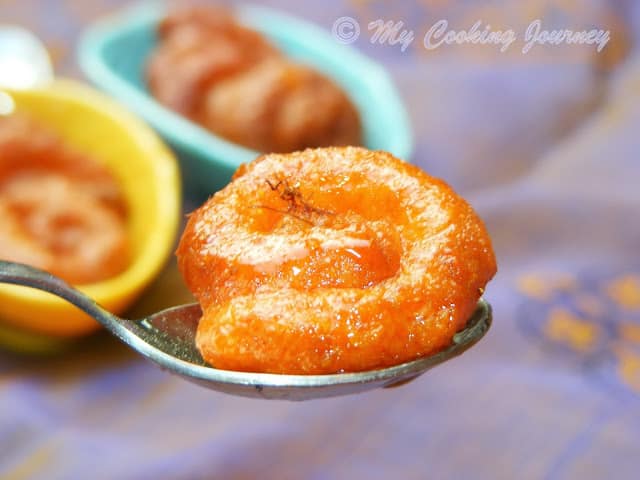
(546, 146)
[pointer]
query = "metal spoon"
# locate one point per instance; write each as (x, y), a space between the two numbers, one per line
(167, 339)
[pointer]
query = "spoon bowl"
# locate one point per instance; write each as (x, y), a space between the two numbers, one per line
(167, 338)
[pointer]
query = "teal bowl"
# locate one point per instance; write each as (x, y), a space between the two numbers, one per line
(113, 53)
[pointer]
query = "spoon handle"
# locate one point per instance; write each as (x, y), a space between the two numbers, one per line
(20, 274)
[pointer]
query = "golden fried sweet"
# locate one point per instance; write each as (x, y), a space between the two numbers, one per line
(59, 210)
(332, 260)
(197, 48)
(230, 80)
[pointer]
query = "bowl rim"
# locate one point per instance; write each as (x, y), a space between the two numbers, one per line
(146, 265)
(191, 137)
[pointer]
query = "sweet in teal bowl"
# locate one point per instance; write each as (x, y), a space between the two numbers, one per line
(113, 53)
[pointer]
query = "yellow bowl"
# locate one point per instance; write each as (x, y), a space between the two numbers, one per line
(150, 180)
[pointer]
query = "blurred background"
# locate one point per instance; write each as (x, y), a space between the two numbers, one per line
(545, 146)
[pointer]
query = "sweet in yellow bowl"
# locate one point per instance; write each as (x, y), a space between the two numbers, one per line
(148, 173)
